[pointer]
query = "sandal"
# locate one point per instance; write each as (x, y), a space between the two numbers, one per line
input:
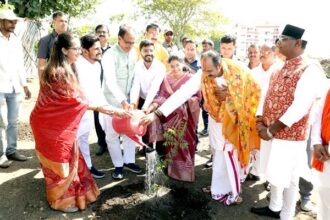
(206, 189)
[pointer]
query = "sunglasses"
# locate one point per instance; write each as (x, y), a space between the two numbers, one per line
(169, 34)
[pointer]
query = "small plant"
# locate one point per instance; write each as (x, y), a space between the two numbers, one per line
(6, 6)
(174, 140)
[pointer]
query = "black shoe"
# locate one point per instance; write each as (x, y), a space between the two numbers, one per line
(265, 211)
(133, 167)
(96, 174)
(252, 177)
(209, 163)
(204, 133)
(118, 173)
(16, 156)
(100, 150)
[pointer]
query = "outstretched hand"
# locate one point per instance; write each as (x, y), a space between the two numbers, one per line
(148, 119)
(123, 113)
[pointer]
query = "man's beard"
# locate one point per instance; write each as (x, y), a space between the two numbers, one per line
(148, 58)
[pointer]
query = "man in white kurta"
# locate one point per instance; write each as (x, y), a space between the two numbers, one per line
(149, 74)
(322, 151)
(89, 70)
(118, 65)
(262, 74)
(284, 123)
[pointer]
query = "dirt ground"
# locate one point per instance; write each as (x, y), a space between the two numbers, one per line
(22, 189)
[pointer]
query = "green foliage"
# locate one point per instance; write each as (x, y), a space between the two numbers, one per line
(83, 30)
(174, 140)
(6, 6)
(40, 8)
(186, 17)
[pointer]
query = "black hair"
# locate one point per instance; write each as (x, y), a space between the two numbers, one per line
(215, 57)
(145, 43)
(58, 69)
(88, 41)
(123, 29)
(174, 57)
(227, 39)
(189, 41)
(208, 41)
(303, 44)
(152, 26)
(185, 68)
(101, 26)
(57, 14)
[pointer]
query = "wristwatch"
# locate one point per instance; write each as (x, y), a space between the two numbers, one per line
(269, 134)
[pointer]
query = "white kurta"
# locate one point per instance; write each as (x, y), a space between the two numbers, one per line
(287, 159)
(259, 158)
(323, 177)
(147, 82)
(303, 101)
(89, 81)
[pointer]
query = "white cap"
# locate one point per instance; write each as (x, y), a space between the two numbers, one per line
(8, 15)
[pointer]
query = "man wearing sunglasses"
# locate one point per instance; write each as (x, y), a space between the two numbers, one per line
(168, 44)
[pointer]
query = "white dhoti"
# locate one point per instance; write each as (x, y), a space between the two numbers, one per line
(255, 163)
(225, 186)
(85, 126)
(112, 138)
(323, 212)
(287, 160)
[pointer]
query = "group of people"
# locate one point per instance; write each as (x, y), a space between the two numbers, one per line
(257, 115)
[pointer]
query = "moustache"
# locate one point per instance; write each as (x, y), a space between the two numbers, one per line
(101, 35)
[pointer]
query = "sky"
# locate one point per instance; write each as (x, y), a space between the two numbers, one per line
(313, 16)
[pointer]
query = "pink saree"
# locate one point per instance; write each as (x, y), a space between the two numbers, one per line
(181, 164)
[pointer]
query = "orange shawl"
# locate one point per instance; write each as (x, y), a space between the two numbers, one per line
(325, 132)
(237, 112)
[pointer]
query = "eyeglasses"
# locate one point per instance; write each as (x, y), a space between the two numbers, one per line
(101, 32)
(285, 38)
(265, 52)
(77, 49)
(169, 34)
(128, 42)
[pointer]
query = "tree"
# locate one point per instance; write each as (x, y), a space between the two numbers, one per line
(185, 17)
(36, 9)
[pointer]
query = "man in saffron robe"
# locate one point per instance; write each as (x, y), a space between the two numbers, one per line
(231, 130)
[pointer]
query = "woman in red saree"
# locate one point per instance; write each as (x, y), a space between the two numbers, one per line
(54, 122)
(180, 159)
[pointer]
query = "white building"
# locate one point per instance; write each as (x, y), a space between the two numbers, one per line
(253, 34)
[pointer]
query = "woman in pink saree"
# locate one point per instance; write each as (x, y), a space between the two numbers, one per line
(180, 157)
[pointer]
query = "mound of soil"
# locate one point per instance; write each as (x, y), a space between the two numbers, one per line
(131, 201)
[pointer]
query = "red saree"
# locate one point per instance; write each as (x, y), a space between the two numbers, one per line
(182, 164)
(54, 122)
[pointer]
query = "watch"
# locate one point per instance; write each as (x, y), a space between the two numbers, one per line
(269, 134)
